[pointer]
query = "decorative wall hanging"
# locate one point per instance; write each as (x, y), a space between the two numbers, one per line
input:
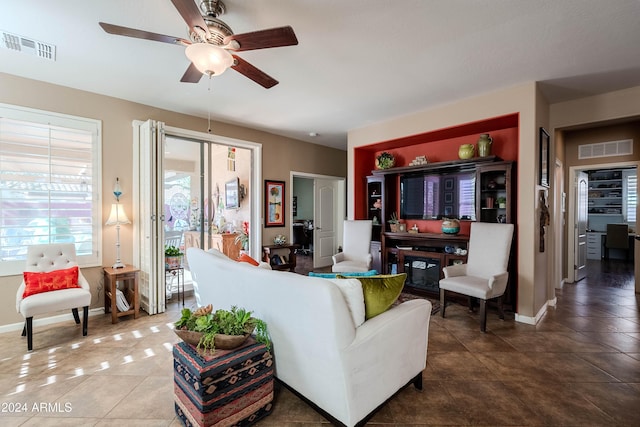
(274, 208)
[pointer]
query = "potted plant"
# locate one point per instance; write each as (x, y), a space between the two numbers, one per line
(502, 202)
(223, 329)
(394, 223)
(385, 160)
(242, 238)
(172, 257)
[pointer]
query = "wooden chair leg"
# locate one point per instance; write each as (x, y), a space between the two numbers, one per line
(85, 320)
(29, 327)
(75, 315)
(417, 381)
(442, 301)
(500, 308)
(483, 315)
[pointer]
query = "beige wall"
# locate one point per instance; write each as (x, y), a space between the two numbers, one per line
(280, 156)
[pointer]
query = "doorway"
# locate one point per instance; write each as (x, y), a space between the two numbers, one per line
(318, 208)
(610, 199)
(188, 189)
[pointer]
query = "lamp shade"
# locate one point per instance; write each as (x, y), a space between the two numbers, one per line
(117, 215)
(209, 59)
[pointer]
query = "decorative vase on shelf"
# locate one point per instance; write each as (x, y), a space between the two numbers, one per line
(466, 151)
(450, 226)
(484, 145)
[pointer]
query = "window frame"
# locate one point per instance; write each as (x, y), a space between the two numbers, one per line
(94, 127)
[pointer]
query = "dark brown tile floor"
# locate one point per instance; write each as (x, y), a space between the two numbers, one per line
(579, 366)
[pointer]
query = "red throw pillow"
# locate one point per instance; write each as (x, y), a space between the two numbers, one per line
(52, 281)
(246, 258)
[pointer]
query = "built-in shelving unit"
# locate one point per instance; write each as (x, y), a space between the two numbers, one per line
(605, 193)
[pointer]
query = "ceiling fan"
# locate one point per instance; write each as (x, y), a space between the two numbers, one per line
(210, 41)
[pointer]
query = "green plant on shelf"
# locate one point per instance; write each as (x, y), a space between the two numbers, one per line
(172, 251)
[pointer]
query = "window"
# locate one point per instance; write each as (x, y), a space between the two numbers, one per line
(630, 194)
(49, 185)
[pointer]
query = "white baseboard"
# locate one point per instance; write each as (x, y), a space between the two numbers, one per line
(532, 320)
(49, 320)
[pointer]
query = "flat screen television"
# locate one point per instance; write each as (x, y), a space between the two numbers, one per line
(429, 195)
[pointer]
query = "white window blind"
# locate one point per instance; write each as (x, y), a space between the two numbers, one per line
(630, 188)
(49, 176)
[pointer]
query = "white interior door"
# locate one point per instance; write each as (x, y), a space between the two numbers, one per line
(582, 208)
(325, 222)
(148, 214)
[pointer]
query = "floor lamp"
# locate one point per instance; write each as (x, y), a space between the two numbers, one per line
(116, 218)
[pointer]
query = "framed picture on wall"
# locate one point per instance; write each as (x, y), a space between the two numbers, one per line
(274, 208)
(543, 175)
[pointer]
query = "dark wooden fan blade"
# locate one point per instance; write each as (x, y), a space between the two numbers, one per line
(192, 75)
(191, 15)
(255, 74)
(140, 34)
(262, 39)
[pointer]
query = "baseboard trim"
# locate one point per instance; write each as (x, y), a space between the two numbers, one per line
(47, 320)
(532, 320)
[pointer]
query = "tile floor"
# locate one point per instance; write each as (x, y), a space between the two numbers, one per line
(579, 366)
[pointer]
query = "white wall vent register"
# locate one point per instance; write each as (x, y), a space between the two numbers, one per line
(27, 45)
(605, 149)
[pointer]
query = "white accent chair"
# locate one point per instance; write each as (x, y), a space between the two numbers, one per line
(43, 259)
(356, 244)
(485, 275)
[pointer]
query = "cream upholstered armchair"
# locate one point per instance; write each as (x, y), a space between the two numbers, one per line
(44, 293)
(356, 243)
(485, 275)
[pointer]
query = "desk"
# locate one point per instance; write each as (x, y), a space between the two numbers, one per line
(596, 241)
(179, 273)
(129, 276)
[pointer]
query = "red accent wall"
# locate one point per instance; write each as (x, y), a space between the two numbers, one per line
(439, 146)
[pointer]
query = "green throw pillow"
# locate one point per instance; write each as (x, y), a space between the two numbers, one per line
(380, 292)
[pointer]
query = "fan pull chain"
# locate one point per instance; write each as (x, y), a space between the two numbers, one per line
(209, 109)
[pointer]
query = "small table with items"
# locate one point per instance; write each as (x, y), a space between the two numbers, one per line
(177, 272)
(129, 276)
(276, 261)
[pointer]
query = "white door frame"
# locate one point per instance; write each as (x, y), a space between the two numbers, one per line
(340, 205)
(572, 211)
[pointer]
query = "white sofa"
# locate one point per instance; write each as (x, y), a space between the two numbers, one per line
(344, 370)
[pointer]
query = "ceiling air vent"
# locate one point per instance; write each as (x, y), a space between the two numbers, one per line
(606, 149)
(30, 46)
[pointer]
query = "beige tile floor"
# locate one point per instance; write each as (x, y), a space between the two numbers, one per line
(579, 366)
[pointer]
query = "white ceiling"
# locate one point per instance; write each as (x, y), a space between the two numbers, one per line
(357, 62)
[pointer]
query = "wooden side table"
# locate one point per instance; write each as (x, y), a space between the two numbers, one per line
(268, 250)
(129, 276)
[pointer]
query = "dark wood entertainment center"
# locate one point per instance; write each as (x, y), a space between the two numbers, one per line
(422, 255)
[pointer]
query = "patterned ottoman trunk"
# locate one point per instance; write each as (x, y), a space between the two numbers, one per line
(226, 388)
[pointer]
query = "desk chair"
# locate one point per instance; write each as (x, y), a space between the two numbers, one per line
(617, 238)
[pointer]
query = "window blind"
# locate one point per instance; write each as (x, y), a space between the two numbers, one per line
(48, 191)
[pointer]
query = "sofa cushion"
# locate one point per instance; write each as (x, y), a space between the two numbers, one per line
(380, 292)
(352, 292)
(352, 274)
(36, 283)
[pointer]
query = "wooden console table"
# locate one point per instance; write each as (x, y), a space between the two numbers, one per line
(291, 262)
(400, 249)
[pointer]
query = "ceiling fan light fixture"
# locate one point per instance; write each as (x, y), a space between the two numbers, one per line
(209, 59)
